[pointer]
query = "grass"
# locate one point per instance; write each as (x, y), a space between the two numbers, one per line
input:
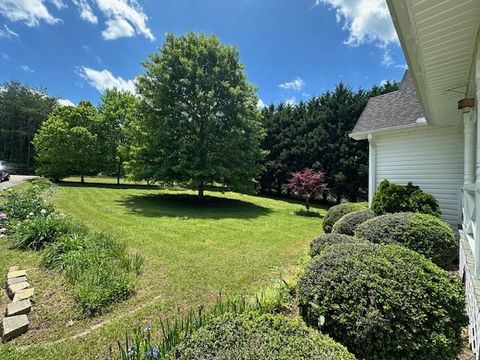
(233, 244)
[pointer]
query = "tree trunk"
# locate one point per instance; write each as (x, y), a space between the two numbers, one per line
(307, 203)
(201, 188)
(119, 171)
(82, 179)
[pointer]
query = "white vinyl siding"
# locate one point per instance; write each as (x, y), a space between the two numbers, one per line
(431, 158)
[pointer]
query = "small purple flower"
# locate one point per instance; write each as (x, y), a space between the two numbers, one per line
(131, 351)
(152, 354)
(3, 216)
(148, 328)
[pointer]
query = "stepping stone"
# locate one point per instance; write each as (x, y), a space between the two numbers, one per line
(16, 280)
(18, 308)
(14, 288)
(12, 268)
(18, 273)
(23, 294)
(14, 326)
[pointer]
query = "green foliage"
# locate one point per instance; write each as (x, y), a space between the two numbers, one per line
(427, 234)
(68, 142)
(347, 224)
(199, 122)
(36, 232)
(314, 134)
(384, 302)
(22, 111)
(250, 336)
(21, 205)
(118, 111)
(307, 213)
(393, 198)
(336, 212)
(81, 256)
(320, 243)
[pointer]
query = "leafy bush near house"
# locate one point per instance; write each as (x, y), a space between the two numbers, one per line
(349, 223)
(250, 336)
(384, 302)
(427, 234)
(393, 198)
(336, 212)
(36, 232)
(325, 240)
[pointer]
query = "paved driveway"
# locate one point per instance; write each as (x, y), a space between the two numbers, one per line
(15, 180)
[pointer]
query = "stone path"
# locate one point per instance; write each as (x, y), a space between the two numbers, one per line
(15, 322)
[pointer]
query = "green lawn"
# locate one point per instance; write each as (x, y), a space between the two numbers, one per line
(233, 244)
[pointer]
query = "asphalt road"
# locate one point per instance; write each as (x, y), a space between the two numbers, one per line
(14, 180)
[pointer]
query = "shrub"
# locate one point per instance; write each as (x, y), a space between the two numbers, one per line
(336, 212)
(325, 240)
(424, 233)
(35, 233)
(22, 205)
(393, 198)
(250, 336)
(349, 223)
(384, 302)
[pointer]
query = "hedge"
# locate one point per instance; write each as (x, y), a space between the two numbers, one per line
(384, 302)
(338, 211)
(325, 240)
(251, 336)
(349, 223)
(424, 233)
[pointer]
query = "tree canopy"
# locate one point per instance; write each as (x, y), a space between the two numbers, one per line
(199, 121)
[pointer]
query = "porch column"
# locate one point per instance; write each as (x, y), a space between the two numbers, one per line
(469, 129)
(477, 183)
(372, 172)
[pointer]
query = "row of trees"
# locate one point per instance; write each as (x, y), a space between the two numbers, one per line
(194, 122)
(22, 111)
(314, 134)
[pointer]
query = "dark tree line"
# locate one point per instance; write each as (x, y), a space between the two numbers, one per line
(314, 134)
(22, 111)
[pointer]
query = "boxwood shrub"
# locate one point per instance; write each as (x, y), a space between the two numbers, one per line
(251, 336)
(338, 211)
(384, 302)
(392, 198)
(348, 223)
(325, 240)
(424, 233)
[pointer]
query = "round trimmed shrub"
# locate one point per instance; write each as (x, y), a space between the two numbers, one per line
(427, 234)
(336, 212)
(325, 240)
(250, 336)
(348, 223)
(384, 302)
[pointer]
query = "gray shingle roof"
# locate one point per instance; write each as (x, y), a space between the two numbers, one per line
(401, 107)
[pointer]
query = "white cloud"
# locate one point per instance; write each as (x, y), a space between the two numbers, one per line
(65, 102)
(27, 69)
(5, 56)
(86, 12)
(367, 21)
(261, 105)
(295, 85)
(292, 101)
(104, 79)
(125, 18)
(59, 4)
(31, 12)
(7, 33)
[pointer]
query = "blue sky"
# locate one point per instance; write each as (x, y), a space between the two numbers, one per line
(292, 49)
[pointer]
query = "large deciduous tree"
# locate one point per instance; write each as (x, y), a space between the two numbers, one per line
(22, 111)
(67, 142)
(118, 111)
(200, 124)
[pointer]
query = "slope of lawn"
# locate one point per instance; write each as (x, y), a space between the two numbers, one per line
(233, 244)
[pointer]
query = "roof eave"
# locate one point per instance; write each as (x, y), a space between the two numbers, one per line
(400, 13)
(363, 135)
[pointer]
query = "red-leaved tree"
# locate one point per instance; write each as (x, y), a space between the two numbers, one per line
(308, 184)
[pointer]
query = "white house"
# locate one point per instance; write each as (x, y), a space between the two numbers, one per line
(428, 131)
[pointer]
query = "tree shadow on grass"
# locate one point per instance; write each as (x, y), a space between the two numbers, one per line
(185, 206)
(108, 185)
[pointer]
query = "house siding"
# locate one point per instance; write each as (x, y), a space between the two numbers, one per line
(431, 158)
